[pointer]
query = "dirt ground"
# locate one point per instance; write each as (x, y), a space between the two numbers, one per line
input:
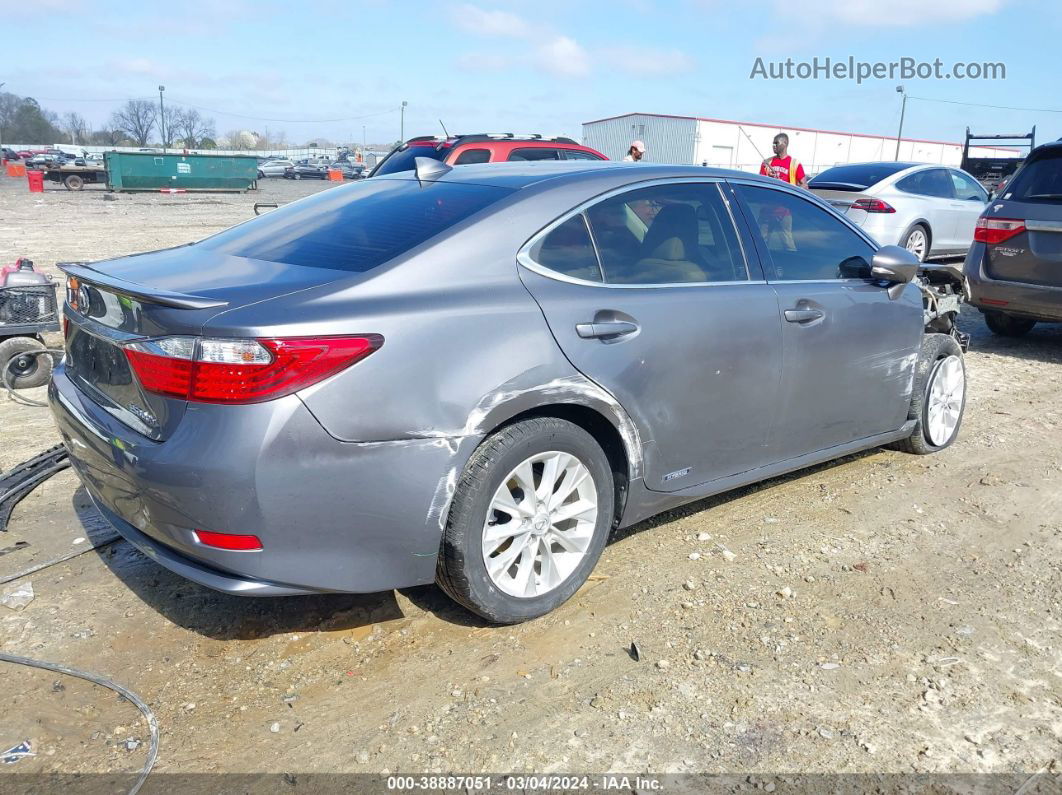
(883, 614)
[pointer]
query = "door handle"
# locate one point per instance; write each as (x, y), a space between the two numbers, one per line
(608, 328)
(803, 315)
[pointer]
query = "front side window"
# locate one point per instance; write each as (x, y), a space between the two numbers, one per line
(967, 188)
(667, 234)
(806, 243)
(579, 154)
(568, 249)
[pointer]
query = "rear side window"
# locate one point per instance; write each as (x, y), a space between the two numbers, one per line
(568, 250)
(933, 182)
(856, 177)
(357, 227)
(1038, 181)
(473, 156)
(667, 234)
(536, 153)
(403, 159)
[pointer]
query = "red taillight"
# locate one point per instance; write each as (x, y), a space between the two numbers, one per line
(242, 370)
(227, 540)
(996, 230)
(873, 206)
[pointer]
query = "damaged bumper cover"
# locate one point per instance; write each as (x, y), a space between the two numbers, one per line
(331, 516)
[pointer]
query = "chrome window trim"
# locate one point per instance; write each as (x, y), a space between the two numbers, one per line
(852, 280)
(1044, 226)
(523, 256)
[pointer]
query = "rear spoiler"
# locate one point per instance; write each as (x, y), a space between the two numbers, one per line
(152, 295)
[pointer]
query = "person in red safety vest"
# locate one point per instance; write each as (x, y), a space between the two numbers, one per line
(776, 224)
(783, 165)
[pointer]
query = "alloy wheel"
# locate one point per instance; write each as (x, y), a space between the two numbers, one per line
(916, 243)
(540, 524)
(945, 401)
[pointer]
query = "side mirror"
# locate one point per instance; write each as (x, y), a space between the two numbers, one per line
(896, 266)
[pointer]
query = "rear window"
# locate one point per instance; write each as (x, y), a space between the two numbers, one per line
(402, 159)
(357, 227)
(1038, 181)
(856, 177)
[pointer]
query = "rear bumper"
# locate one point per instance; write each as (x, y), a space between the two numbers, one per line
(1033, 301)
(331, 515)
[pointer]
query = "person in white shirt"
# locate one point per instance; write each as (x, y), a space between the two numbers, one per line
(635, 153)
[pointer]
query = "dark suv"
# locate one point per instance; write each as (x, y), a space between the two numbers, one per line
(462, 150)
(1015, 266)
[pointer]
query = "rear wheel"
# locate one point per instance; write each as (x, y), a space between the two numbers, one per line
(1008, 325)
(22, 363)
(939, 396)
(529, 519)
(73, 182)
(917, 241)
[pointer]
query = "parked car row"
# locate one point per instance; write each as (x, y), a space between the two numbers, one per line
(309, 169)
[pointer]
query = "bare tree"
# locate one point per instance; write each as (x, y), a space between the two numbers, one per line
(137, 118)
(190, 128)
(108, 136)
(76, 127)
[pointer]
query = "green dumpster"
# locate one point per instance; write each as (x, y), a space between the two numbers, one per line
(133, 171)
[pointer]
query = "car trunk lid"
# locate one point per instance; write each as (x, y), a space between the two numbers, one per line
(170, 293)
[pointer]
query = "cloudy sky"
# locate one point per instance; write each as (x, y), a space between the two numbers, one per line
(532, 67)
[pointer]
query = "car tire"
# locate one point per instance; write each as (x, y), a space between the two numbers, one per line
(73, 182)
(296, 176)
(918, 241)
(1007, 325)
(20, 371)
(935, 408)
(491, 478)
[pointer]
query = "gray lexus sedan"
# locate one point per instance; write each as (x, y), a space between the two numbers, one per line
(471, 375)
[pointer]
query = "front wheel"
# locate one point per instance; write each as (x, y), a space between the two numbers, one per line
(1008, 325)
(298, 176)
(939, 396)
(529, 519)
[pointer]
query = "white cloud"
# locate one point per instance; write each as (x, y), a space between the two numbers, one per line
(901, 13)
(484, 61)
(492, 22)
(564, 57)
(647, 61)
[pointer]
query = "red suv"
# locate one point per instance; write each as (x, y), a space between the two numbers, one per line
(460, 150)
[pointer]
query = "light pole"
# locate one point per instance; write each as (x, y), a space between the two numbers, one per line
(162, 118)
(402, 133)
(903, 109)
(1, 130)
